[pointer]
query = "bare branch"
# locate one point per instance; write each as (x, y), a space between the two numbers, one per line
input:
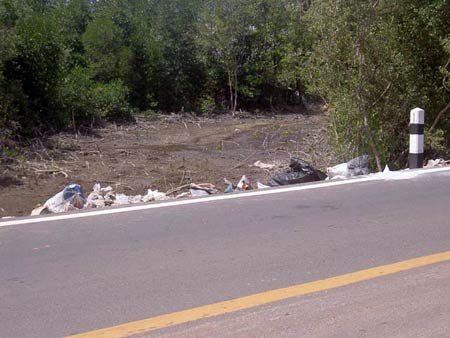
(436, 120)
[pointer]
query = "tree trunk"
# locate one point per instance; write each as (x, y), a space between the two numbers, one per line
(74, 125)
(235, 91)
(361, 106)
(230, 85)
(375, 152)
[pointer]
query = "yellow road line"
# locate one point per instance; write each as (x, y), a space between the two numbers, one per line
(207, 311)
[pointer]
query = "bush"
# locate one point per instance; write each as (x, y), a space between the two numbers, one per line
(32, 76)
(435, 146)
(207, 105)
(110, 101)
(88, 102)
(76, 97)
(365, 65)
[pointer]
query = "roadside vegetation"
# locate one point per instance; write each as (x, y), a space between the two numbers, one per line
(74, 64)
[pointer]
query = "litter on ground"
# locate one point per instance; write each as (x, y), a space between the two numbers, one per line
(69, 199)
(437, 163)
(265, 166)
(72, 197)
(299, 171)
(355, 167)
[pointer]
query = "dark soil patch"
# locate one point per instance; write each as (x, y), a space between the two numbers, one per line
(7, 181)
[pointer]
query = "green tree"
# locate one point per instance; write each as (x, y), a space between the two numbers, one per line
(278, 50)
(255, 47)
(146, 55)
(181, 77)
(34, 73)
(374, 61)
(106, 52)
(225, 28)
(7, 52)
(74, 17)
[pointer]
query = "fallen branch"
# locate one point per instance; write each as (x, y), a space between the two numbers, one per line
(51, 171)
(201, 186)
(172, 191)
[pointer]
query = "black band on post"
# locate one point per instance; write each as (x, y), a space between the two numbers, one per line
(415, 161)
(416, 129)
(416, 138)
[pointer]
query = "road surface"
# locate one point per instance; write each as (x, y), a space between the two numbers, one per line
(76, 275)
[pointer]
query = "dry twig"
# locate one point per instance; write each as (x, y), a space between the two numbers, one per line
(51, 171)
(245, 160)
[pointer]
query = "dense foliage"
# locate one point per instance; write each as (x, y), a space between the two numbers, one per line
(69, 63)
(374, 61)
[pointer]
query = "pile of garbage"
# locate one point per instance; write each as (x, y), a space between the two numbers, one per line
(73, 198)
(355, 167)
(69, 199)
(437, 163)
(300, 172)
(103, 197)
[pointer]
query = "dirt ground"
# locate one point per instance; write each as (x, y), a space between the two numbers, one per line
(162, 153)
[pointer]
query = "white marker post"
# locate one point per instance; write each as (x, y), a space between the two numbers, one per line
(416, 138)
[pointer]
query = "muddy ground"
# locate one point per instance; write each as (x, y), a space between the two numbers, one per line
(162, 153)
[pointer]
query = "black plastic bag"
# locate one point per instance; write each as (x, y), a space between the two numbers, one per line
(301, 172)
(293, 177)
(299, 165)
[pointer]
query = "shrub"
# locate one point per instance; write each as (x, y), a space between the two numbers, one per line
(207, 105)
(110, 101)
(88, 102)
(76, 97)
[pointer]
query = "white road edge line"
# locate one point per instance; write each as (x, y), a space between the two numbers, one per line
(215, 198)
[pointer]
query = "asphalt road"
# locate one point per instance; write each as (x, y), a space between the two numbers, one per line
(410, 304)
(70, 276)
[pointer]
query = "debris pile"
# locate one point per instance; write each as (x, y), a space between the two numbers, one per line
(192, 190)
(104, 197)
(299, 171)
(243, 185)
(355, 167)
(69, 199)
(437, 163)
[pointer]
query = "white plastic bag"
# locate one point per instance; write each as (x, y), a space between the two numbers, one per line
(154, 195)
(71, 198)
